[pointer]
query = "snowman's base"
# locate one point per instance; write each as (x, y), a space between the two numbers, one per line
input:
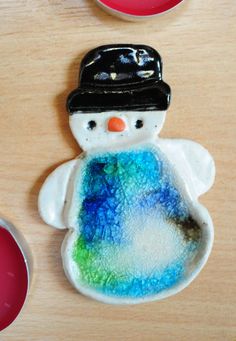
(166, 282)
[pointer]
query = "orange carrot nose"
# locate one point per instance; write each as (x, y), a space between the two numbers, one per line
(116, 124)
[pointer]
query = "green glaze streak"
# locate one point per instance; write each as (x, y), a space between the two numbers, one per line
(91, 273)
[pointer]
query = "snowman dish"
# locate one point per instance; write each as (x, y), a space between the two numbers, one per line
(137, 232)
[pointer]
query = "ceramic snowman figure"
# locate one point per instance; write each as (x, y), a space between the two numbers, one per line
(136, 229)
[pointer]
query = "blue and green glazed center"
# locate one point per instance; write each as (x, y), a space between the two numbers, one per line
(136, 233)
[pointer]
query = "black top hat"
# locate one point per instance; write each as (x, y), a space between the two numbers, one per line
(120, 77)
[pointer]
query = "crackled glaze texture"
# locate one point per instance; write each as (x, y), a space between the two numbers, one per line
(137, 234)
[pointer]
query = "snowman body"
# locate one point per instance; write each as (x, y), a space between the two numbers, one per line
(137, 232)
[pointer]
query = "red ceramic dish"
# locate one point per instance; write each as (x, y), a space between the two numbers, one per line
(139, 8)
(14, 277)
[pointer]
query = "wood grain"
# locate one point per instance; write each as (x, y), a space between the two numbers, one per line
(42, 43)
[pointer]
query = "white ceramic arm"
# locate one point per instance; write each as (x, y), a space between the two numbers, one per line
(192, 161)
(52, 195)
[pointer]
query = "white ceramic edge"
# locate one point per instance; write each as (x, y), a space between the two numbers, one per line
(130, 17)
(26, 253)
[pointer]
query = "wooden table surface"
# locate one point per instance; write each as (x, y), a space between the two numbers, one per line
(42, 43)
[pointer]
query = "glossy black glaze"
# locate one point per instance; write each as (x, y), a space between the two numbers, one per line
(120, 77)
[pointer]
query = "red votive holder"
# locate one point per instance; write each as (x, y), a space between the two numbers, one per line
(15, 265)
(138, 9)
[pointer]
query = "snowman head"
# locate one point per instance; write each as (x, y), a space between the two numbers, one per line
(122, 98)
(115, 128)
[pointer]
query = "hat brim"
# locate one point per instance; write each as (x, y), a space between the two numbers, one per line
(155, 96)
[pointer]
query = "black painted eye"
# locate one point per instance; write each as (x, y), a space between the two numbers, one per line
(139, 124)
(91, 125)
